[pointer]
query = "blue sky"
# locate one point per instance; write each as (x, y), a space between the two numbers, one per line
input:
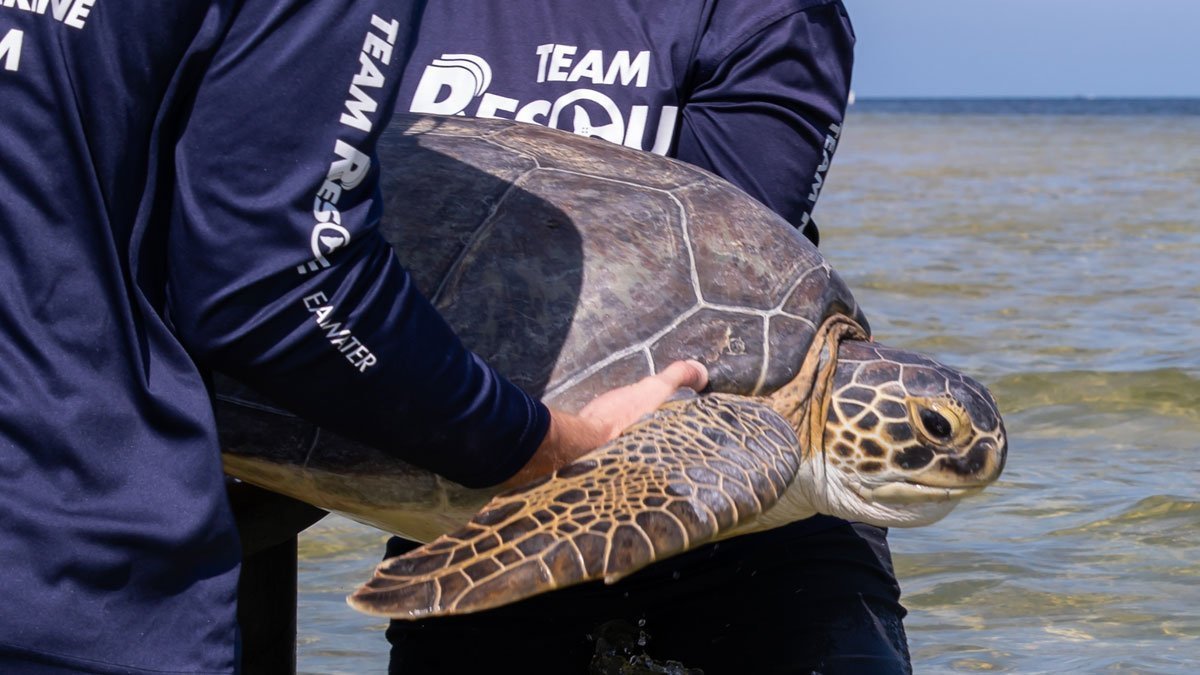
(1026, 47)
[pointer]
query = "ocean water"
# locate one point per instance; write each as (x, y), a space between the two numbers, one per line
(1051, 249)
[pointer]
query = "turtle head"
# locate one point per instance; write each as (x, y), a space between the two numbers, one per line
(905, 438)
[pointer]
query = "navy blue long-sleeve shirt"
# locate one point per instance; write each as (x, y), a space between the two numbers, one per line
(186, 186)
(190, 186)
(752, 91)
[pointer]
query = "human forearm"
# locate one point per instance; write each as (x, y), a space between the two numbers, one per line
(767, 114)
(279, 275)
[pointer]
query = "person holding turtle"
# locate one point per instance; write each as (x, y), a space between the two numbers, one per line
(183, 184)
(756, 93)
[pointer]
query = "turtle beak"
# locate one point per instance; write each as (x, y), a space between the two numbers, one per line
(999, 456)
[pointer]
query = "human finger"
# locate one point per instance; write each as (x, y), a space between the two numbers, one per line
(619, 408)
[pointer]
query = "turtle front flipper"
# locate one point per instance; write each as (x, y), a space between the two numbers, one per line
(690, 473)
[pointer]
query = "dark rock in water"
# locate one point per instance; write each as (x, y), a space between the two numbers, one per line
(621, 650)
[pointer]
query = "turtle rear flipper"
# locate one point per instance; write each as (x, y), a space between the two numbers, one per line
(693, 471)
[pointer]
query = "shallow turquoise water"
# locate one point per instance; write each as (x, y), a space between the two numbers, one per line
(1057, 258)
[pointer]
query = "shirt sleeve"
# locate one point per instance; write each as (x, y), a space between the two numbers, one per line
(766, 100)
(278, 274)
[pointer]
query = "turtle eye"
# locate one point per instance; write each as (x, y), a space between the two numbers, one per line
(936, 424)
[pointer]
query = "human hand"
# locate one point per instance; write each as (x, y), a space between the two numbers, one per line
(572, 436)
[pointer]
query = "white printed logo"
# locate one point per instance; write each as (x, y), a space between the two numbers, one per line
(327, 238)
(465, 76)
(451, 84)
(351, 166)
(10, 49)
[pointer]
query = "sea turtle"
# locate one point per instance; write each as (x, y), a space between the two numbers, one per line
(574, 265)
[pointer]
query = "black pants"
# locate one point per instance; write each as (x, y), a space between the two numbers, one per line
(792, 600)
